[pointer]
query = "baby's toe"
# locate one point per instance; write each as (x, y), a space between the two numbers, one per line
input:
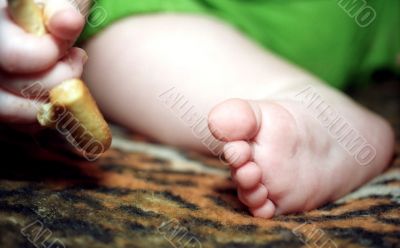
(233, 120)
(237, 153)
(247, 176)
(266, 210)
(254, 197)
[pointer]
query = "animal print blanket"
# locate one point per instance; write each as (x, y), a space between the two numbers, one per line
(142, 194)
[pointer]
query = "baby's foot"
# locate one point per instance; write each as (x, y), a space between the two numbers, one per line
(283, 160)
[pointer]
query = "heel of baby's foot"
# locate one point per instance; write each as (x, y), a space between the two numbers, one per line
(380, 144)
(386, 143)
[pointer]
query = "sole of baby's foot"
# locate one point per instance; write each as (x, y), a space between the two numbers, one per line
(283, 160)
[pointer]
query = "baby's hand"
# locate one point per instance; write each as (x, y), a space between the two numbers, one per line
(26, 59)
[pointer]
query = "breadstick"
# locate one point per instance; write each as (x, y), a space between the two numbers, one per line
(74, 113)
(27, 15)
(71, 108)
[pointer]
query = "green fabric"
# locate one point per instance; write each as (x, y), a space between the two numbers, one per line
(318, 35)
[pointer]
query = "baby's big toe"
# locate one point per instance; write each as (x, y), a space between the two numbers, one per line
(233, 120)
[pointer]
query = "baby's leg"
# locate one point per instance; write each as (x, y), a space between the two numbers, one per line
(136, 60)
(288, 161)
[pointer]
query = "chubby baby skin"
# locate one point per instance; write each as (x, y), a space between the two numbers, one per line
(283, 159)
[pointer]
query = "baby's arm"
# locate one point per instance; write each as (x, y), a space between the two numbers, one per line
(26, 58)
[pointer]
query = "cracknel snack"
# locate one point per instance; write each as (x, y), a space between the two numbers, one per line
(71, 108)
(28, 15)
(74, 113)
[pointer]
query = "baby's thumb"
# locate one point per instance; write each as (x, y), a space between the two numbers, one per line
(63, 19)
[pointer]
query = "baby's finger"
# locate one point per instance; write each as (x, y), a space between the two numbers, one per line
(63, 19)
(15, 109)
(69, 67)
(25, 53)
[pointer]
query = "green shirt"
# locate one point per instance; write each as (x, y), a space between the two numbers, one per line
(340, 41)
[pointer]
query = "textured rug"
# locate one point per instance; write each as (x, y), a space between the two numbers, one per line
(142, 194)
